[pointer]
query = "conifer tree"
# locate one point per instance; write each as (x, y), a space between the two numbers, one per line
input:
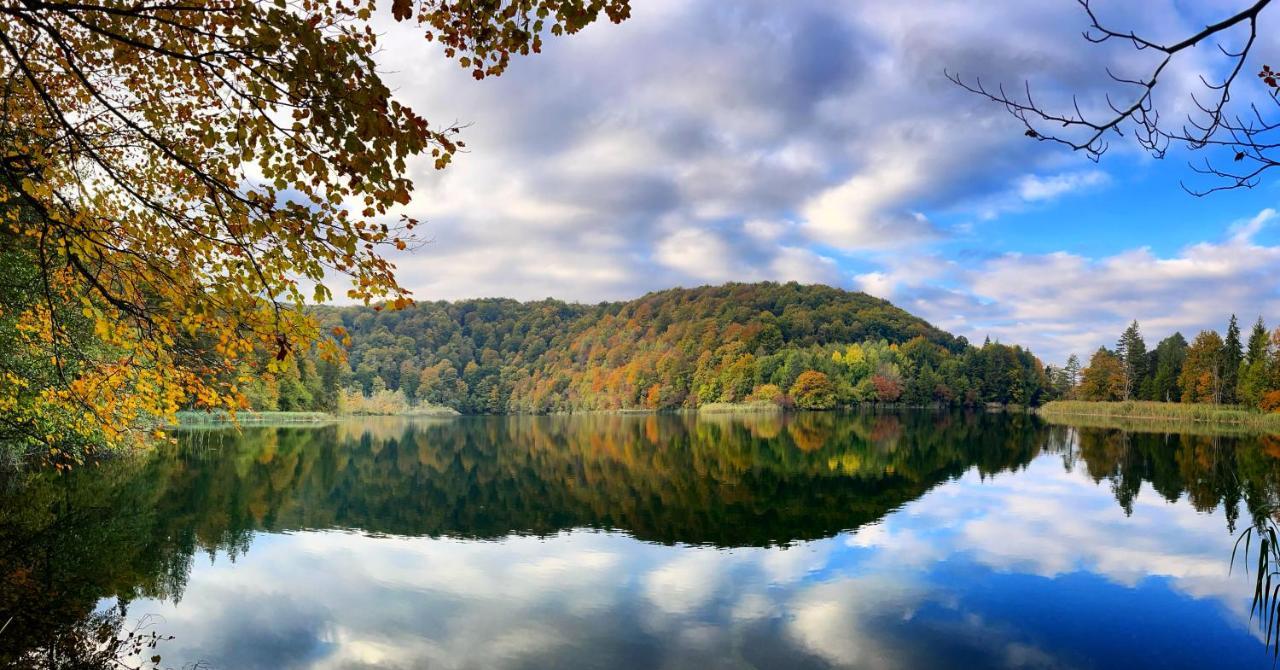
(1170, 355)
(1254, 371)
(1132, 351)
(1232, 357)
(1072, 371)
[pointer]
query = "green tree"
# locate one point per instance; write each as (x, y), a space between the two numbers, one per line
(1072, 372)
(1232, 357)
(1170, 354)
(1255, 370)
(1132, 351)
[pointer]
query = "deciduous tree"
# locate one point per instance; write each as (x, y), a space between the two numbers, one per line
(1201, 378)
(814, 390)
(183, 177)
(1104, 379)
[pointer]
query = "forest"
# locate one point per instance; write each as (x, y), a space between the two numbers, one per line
(813, 347)
(1210, 369)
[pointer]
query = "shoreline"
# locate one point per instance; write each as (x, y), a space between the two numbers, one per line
(1147, 413)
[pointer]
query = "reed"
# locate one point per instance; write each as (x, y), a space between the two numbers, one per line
(1143, 414)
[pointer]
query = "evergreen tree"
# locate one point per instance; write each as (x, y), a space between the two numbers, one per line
(1072, 372)
(1170, 355)
(1232, 357)
(1254, 372)
(1147, 391)
(1132, 351)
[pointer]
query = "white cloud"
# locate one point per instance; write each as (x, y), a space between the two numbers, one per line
(1244, 231)
(832, 620)
(686, 583)
(878, 284)
(1034, 188)
(870, 209)
(1061, 303)
(698, 253)
(802, 265)
(782, 134)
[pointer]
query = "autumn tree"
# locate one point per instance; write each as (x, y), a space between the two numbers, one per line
(1104, 379)
(766, 393)
(1201, 377)
(180, 179)
(814, 390)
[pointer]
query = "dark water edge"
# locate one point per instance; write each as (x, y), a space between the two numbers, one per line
(890, 539)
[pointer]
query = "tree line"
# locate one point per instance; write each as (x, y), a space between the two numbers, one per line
(1211, 369)
(815, 347)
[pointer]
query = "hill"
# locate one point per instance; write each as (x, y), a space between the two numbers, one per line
(668, 349)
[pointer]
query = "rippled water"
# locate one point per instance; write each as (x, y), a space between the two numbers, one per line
(913, 540)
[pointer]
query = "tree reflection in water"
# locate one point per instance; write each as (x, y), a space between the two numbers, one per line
(130, 528)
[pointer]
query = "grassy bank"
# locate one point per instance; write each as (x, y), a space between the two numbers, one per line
(739, 408)
(1146, 414)
(416, 410)
(251, 418)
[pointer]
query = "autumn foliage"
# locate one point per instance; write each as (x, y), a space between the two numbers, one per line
(178, 180)
(1213, 369)
(681, 348)
(813, 390)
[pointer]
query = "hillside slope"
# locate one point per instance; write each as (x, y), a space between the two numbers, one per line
(668, 349)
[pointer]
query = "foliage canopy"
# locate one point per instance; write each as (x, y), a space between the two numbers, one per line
(183, 177)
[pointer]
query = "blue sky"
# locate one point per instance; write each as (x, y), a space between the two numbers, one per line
(706, 141)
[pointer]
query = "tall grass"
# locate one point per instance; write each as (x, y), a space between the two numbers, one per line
(353, 402)
(754, 407)
(222, 417)
(1140, 413)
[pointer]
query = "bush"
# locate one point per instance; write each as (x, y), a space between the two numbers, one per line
(765, 393)
(888, 389)
(814, 390)
(1270, 402)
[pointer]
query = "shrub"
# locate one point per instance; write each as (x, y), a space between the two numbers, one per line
(888, 389)
(765, 393)
(814, 390)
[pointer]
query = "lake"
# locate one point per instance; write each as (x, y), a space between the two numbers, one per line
(814, 540)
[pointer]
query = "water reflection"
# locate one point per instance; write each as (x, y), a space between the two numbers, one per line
(871, 540)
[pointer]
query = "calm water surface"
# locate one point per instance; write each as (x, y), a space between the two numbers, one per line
(911, 540)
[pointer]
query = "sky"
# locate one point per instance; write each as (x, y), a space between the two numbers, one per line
(707, 141)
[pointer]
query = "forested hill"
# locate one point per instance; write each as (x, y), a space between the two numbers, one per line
(674, 348)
